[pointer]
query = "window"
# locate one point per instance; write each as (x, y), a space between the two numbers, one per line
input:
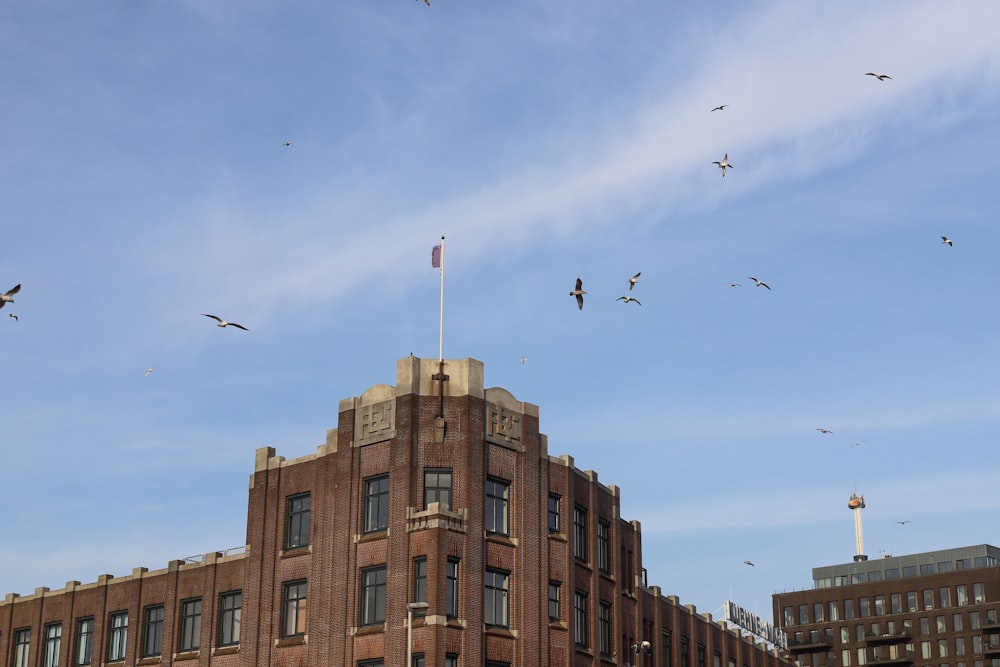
(117, 636)
(946, 566)
(554, 522)
(909, 571)
(152, 631)
(956, 621)
(927, 568)
(944, 597)
(911, 601)
(497, 507)
(818, 612)
(788, 614)
(875, 575)
(496, 605)
(230, 611)
(928, 599)
(845, 657)
(450, 660)
(580, 533)
(685, 652)
(580, 618)
(974, 620)
(896, 603)
(892, 573)
(943, 648)
(419, 584)
(848, 609)
(297, 525)
(437, 487)
(665, 640)
(978, 593)
(84, 641)
(418, 660)
(701, 655)
(377, 662)
(962, 595)
(963, 564)
(53, 638)
(604, 627)
(959, 645)
(925, 626)
(376, 504)
(939, 624)
(190, 624)
(555, 600)
(834, 610)
(22, 642)
(865, 606)
(603, 545)
(373, 595)
(293, 609)
(845, 634)
(862, 656)
(451, 588)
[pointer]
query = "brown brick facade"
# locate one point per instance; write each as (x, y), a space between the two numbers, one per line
(487, 438)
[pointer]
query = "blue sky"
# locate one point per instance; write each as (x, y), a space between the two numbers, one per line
(144, 182)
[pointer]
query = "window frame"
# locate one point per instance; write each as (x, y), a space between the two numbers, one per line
(152, 630)
(294, 605)
(555, 513)
(21, 647)
(603, 545)
(83, 642)
(496, 598)
(604, 639)
(555, 601)
(580, 629)
(376, 504)
(117, 635)
(452, 589)
(373, 595)
(419, 593)
(297, 520)
(189, 632)
(580, 532)
(52, 641)
(230, 617)
(436, 492)
(497, 511)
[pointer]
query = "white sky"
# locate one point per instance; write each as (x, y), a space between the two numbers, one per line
(144, 182)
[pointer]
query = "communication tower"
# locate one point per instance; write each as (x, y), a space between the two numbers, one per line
(857, 503)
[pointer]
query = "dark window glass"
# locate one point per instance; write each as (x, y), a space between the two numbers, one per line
(497, 601)
(603, 545)
(152, 631)
(230, 612)
(420, 584)
(554, 520)
(117, 636)
(373, 595)
(580, 533)
(555, 600)
(604, 627)
(84, 641)
(451, 588)
(297, 524)
(293, 609)
(497, 507)
(376, 504)
(22, 642)
(580, 618)
(53, 640)
(437, 487)
(190, 624)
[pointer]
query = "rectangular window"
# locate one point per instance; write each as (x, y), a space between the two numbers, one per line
(152, 631)
(451, 588)
(865, 606)
(376, 504)
(53, 639)
(974, 620)
(788, 615)
(604, 627)
(962, 595)
(928, 599)
(419, 584)
(373, 595)
(497, 507)
(939, 624)
(666, 638)
(946, 566)
(437, 487)
(230, 612)
(925, 626)
(22, 642)
(879, 605)
(909, 571)
(817, 612)
(943, 648)
(834, 610)
(555, 600)
(845, 657)
(293, 609)
(377, 662)
(701, 655)
(450, 660)
(956, 621)
(580, 618)
(580, 533)
(892, 573)
(959, 645)
(944, 597)
(911, 600)
(190, 625)
(297, 521)
(603, 545)
(685, 652)
(875, 575)
(978, 593)
(555, 523)
(418, 660)
(84, 641)
(117, 636)
(862, 656)
(896, 603)
(848, 609)
(496, 606)
(926, 568)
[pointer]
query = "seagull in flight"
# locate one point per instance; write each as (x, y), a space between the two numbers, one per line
(578, 293)
(733, 284)
(628, 299)
(286, 144)
(858, 443)
(825, 431)
(746, 562)
(223, 323)
(643, 647)
(148, 371)
(8, 296)
(946, 240)
(427, 2)
(903, 523)
(14, 316)
(524, 360)
(721, 107)
(633, 280)
(758, 283)
(880, 77)
(723, 164)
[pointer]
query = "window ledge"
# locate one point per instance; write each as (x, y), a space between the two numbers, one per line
(558, 537)
(497, 631)
(187, 655)
(297, 640)
(584, 650)
(374, 629)
(498, 538)
(454, 622)
(151, 660)
(296, 551)
(558, 625)
(372, 536)
(226, 650)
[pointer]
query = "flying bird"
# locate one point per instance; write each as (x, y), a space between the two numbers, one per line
(758, 283)
(724, 164)
(633, 280)
(721, 107)
(858, 443)
(945, 239)
(223, 323)
(880, 77)
(148, 371)
(746, 562)
(14, 316)
(8, 296)
(825, 431)
(733, 284)
(286, 144)
(578, 293)
(524, 360)
(628, 299)
(903, 523)
(427, 2)
(643, 647)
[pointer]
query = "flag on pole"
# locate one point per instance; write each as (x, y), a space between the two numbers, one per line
(436, 257)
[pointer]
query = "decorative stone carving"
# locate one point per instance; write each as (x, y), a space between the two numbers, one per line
(503, 426)
(374, 422)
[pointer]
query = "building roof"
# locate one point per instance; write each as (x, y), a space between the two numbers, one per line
(892, 567)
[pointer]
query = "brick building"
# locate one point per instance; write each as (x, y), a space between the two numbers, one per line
(934, 609)
(434, 498)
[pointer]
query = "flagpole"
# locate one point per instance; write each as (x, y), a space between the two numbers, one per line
(441, 324)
